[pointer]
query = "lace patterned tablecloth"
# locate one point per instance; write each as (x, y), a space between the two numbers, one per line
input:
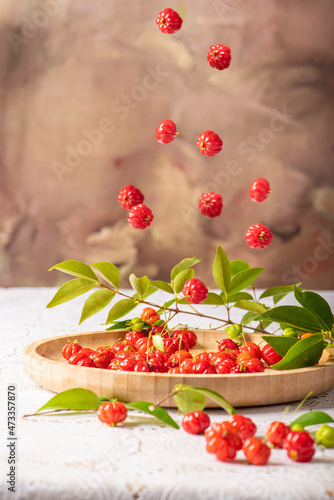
(78, 457)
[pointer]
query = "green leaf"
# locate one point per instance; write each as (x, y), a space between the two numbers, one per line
(70, 290)
(96, 302)
(249, 317)
(188, 399)
(213, 299)
(165, 306)
(181, 278)
(140, 285)
(119, 325)
(250, 306)
(217, 398)
(184, 264)
(121, 308)
(244, 279)
(280, 344)
(108, 272)
(73, 399)
(182, 301)
(238, 296)
(306, 352)
(237, 266)
(149, 291)
(297, 317)
(162, 285)
(158, 343)
(316, 305)
(158, 412)
(277, 290)
(312, 418)
(277, 298)
(221, 270)
(75, 268)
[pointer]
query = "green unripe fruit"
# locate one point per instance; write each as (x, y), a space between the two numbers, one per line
(233, 331)
(289, 332)
(325, 436)
(298, 427)
(137, 324)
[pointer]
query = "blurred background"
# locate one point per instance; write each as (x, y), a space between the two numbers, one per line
(84, 83)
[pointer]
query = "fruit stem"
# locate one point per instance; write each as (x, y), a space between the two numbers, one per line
(153, 407)
(176, 310)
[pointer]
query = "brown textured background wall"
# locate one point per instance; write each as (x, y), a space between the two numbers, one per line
(84, 83)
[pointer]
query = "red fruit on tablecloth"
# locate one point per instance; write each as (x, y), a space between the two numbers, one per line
(166, 132)
(112, 412)
(276, 433)
(219, 56)
(69, 349)
(257, 452)
(195, 291)
(196, 422)
(259, 190)
(211, 204)
(269, 355)
(140, 216)
(243, 426)
(169, 21)
(299, 446)
(258, 236)
(209, 143)
(130, 196)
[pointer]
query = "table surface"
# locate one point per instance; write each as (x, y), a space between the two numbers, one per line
(78, 457)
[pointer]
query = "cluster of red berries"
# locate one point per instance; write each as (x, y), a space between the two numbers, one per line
(226, 438)
(137, 353)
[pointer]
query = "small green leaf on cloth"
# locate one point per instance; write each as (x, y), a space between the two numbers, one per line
(158, 412)
(72, 399)
(188, 399)
(312, 418)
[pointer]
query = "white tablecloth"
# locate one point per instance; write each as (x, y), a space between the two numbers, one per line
(78, 457)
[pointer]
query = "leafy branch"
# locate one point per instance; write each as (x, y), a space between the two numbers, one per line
(312, 315)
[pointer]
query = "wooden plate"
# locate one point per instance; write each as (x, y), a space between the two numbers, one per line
(45, 365)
